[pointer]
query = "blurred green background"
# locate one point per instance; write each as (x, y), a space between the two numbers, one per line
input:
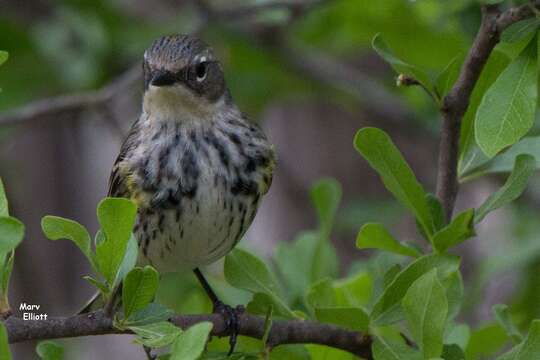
(305, 70)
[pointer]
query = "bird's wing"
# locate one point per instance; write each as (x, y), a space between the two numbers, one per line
(268, 159)
(119, 174)
(268, 171)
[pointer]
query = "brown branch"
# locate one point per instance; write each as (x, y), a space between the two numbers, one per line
(282, 331)
(455, 104)
(72, 104)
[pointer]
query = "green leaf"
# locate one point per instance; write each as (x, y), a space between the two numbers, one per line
(530, 349)
(505, 161)
(458, 334)
(130, 258)
(399, 65)
(98, 284)
(4, 206)
(454, 293)
(503, 318)
(356, 290)
(460, 229)
(321, 294)
(375, 236)
(3, 56)
(452, 352)
(391, 274)
(325, 261)
(426, 309)
(512, 188)
(245, 271)
(261, 302)
(156, 335)
(353, 318)
(381, 153)
(5, 353)
(507, 110)
(448, 76)
(49, 350)
(11, 234)
(139, 288)
(511, 354)
(469, 153)
(151, 313)
(385, 349)
(485, 342)
(5, 274)
(520, 30)
(326, 195)
(288, 352)
(387, 308)
(190, 344)
(295, 263)
(321, 352)
(437, 212)
(56, 228)
(116, 217)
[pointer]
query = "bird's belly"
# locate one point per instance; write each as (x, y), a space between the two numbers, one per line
(196, 232)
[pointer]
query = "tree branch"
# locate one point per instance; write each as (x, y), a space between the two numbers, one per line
(282, 331)
(455, 104)
(72, 104)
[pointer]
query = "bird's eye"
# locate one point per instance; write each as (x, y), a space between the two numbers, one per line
(200, 70)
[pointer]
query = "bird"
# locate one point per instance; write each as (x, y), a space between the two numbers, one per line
(196, 167)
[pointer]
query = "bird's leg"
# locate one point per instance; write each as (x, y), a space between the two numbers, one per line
(229, 313)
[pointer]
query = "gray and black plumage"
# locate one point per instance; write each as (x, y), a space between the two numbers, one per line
(194, 165)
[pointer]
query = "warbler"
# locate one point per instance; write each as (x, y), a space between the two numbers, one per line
(196, 167)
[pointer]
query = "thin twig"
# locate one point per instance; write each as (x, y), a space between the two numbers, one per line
(282, 331)
(71, 104)
(407, 80)
(455, 104)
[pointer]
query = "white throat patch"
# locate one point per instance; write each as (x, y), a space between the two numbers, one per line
(177, 103)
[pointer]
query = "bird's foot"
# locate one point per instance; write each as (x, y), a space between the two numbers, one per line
(231, 316)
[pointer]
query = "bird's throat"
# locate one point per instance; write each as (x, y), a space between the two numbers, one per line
(178, 104)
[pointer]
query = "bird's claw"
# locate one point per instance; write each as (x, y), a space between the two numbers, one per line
(230, 315)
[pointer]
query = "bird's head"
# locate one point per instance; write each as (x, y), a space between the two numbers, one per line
(182, 78)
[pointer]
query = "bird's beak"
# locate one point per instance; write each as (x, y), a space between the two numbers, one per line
(163, 78)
